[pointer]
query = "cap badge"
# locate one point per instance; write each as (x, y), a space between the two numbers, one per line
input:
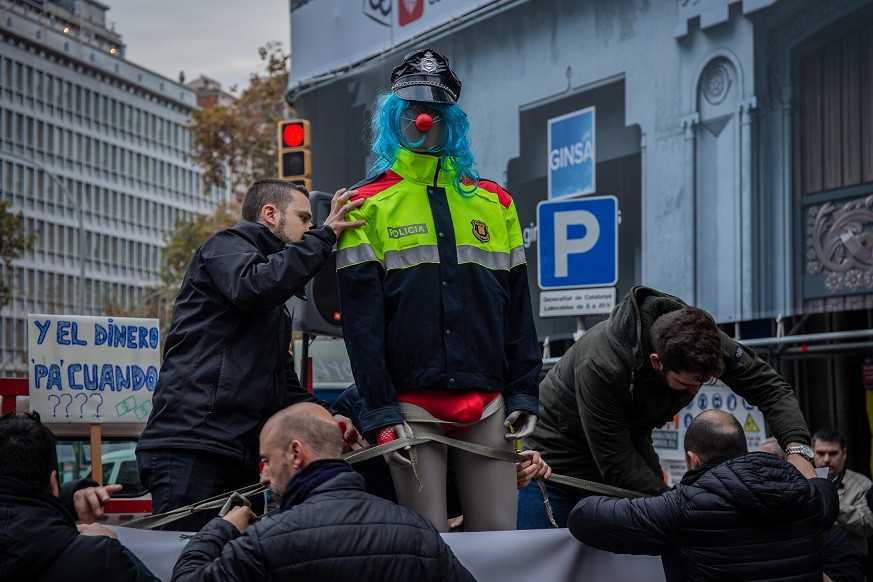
(427, 64)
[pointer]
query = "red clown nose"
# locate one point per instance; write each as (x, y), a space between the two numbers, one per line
(423, 122)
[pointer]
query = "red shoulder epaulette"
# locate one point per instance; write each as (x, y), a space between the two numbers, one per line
(375, 184)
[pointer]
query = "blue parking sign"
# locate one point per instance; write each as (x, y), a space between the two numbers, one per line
(578, 243)
(571, 154)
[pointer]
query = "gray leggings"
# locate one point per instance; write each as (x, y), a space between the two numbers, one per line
(486, 487)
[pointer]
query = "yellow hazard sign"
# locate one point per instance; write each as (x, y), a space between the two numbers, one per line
(750, 425)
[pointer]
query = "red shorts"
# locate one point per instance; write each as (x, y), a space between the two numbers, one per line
(456, 406)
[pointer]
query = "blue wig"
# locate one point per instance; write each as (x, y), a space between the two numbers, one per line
(385, 124)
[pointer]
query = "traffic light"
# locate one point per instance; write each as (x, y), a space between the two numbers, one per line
(319, 314)
(294, 164)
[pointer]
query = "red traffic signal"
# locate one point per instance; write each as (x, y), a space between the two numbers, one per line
(294, 133)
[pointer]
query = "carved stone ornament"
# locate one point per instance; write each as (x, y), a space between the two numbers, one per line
(716, 83)
(839, 242)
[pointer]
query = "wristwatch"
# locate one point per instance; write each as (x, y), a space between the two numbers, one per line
(804, 451)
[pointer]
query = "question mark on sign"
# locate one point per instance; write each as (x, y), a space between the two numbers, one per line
(55, 409)
(68, 404)
(97, 410)
(84, 402)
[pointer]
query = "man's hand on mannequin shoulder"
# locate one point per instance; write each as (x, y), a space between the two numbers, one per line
(339, 208)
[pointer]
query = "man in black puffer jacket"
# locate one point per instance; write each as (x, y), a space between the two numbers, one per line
(328, 528)
(39, 540)
(735, 515)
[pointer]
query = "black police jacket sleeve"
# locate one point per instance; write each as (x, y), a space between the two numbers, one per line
(363, 303)
(522, 350)
(254, 282)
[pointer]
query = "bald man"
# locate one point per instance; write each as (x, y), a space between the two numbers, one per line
(328, 527)
(735, 516)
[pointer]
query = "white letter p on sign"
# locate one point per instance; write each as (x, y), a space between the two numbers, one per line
(565, 246)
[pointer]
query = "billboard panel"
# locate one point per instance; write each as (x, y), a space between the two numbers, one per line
(328, 35)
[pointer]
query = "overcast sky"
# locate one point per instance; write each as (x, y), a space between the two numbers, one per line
(216, 38)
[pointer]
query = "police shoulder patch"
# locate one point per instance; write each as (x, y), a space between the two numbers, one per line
(480, 230)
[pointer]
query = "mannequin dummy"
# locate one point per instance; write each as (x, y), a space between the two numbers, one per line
(436, 308)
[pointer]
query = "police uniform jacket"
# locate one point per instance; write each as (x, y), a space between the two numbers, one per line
(434, 291)
(601, 401)
(226, 364)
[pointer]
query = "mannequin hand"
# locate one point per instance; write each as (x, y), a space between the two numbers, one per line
(395, 457)
(523, 423)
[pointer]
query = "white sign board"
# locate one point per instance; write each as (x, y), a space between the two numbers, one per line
(577, 302)
(92, 369)
(668, 440)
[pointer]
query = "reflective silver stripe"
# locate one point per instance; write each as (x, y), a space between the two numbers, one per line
(354, 255)
(490, 259)
(517, 255)
(411, 256)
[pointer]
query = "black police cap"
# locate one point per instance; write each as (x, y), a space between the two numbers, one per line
(424, 75)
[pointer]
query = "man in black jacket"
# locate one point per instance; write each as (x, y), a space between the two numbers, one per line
(328, 528)
(39, 539)
(735, 515)
(226, 364)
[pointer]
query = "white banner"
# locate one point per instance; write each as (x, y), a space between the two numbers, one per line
(494, 556)
(92, 369)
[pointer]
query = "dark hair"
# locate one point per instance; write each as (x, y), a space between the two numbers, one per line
(272, 191)
(688, 340)
(713, 434)
(830, 435)
(27, 450)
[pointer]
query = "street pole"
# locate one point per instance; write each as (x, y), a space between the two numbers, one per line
(80, 216)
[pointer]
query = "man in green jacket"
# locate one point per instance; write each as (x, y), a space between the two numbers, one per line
(631, 374)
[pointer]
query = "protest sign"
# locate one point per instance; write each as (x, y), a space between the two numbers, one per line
(86, 369)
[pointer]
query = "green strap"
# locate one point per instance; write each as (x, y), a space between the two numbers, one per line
(371, 452)
(492, 453)
(217, 502)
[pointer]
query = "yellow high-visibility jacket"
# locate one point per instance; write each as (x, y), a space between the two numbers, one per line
(434, 291)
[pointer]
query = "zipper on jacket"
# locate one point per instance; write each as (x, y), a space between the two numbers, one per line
(436, 174)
